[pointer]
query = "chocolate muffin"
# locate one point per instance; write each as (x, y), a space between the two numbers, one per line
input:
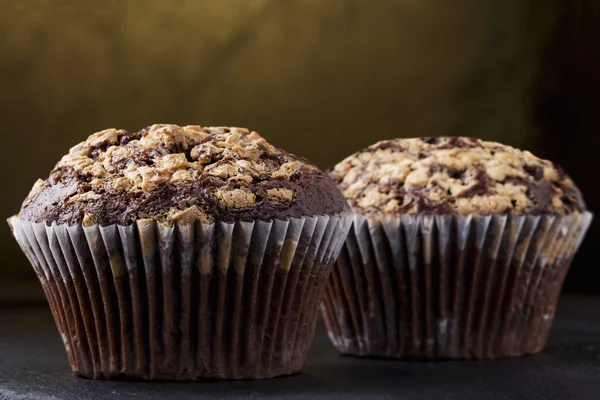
(171, 174)
(458, 249)
(183, 253)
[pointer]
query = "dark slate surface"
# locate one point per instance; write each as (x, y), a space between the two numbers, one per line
(33, 366)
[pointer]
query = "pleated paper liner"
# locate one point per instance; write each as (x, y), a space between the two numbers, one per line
(218, 301)
(450, 287)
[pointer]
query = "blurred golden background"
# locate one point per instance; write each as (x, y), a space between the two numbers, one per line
(319, 78)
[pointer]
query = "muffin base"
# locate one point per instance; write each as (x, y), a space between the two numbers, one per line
(445, 287)
(219, 301)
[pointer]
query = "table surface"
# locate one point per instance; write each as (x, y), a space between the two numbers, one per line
(33, 366)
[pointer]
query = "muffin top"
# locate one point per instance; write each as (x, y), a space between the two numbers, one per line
(456, 175)
(179, 174)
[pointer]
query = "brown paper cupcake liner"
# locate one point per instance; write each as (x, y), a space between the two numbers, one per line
(450, 287)
(218, 301)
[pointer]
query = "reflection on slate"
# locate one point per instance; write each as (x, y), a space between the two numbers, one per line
(33, 366)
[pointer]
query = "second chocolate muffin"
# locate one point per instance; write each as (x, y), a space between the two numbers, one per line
(458, 249)
(183, 253)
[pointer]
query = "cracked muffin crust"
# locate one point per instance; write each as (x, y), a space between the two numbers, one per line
(454, 175)
(179, 174)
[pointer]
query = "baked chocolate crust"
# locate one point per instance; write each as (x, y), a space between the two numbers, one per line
(180, 174)
(456, 175)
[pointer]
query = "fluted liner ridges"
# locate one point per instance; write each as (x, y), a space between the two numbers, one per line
(450, 287)
(219, 301)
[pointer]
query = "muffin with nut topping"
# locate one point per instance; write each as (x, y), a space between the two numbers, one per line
(172, 174)
(458, 249)
(183, 253)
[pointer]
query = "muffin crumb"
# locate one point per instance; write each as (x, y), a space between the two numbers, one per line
(280, 195)
(189, 216)
(236, 198)
(89, 220)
